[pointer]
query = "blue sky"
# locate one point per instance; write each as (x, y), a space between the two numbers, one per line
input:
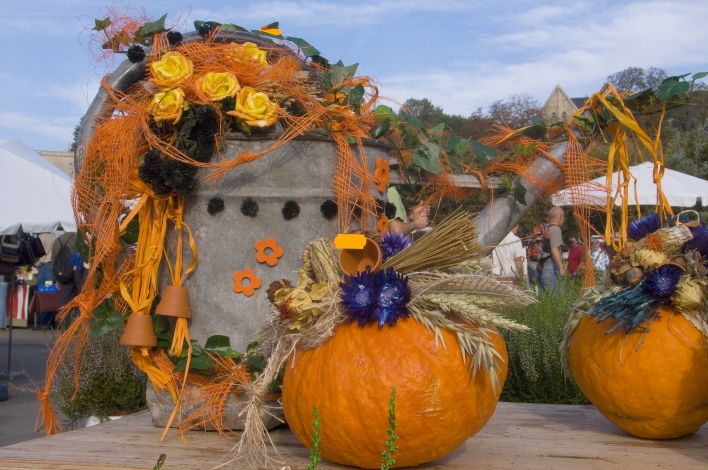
(462, 55)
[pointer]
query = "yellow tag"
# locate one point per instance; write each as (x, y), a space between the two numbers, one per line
(350, 241)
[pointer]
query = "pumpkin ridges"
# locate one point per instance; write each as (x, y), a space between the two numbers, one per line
(653, 392)
(365, 390)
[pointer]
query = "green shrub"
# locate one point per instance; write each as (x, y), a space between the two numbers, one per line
(535, 374)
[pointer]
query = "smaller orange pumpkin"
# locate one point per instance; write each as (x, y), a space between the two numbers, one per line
(651, 384)
(382, 224)
(382, 174)
(253, 282)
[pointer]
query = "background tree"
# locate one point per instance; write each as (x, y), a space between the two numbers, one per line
(517, 111)
(430, 115)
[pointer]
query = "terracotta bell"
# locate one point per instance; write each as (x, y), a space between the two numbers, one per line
(174, 303)
(353, 261)
(139, 332)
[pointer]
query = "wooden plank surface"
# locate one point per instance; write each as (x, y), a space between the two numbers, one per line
(521, 436)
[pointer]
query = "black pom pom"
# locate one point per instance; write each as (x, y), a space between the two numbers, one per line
(205, 29)
(379, 206)
(249, 207)
(174, 37)
(136, 54)
(216, 205)
(291, 209)
(390, 210)
(356, 212)
(329, 209)
(228, 104)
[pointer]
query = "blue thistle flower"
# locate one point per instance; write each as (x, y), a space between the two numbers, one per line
(359, 296)
(699, 242)
(393, 243)
(640, 228)
(392, 297)
(662, 281)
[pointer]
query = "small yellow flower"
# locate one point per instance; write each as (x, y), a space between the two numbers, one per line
(172, 70)
(647, 259)
(255, 108)
(218, 85)
(688, 295)
(168, 105)
(246, 52)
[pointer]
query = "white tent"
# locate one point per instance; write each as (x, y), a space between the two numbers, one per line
(34, 194)
(680, 189)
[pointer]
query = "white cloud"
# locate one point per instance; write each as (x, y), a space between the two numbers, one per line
(59, 129)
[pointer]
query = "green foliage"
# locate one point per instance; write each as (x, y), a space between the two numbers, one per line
(105, 318)
(315, 455)
(160, 462)
(109, 383)
(535, 374)
(387, 460)
(688, 151)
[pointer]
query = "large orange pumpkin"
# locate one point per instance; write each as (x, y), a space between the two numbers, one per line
(439, 404)
(653, 386)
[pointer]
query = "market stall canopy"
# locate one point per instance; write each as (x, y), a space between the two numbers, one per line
(34, 194)
(680, 189)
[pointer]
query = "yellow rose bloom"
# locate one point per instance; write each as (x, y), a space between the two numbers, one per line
(255, 108)
(168, 105)
(247, 51)
(171, 70)
(218, 85)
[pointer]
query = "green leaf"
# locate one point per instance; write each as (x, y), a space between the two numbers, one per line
(426, 157)
(483, 152)
(382, 129)
(253, 345)
(455, 165)
(198, 24)
(256, 361)
(454, 140)
(154, 27)
(197, 349)
(519, 193)
(537, 122)
(130, 236)
(341, 73)
(506, 181)
(104, 320)
(410, 138)
(197, 363)
(357, 94)
(586, 123)
(383, 112)
(413, 121)
(101, 25)
(699, 75)
(217, 341)
(233, 27)
(535, 132)
(81, 247)
(671, 88)
(304, 46)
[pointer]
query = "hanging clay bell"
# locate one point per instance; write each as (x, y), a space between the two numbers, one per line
(139, 332)
(174, 303)
(353, 261)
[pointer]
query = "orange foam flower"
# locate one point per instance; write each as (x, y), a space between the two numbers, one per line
(382, 174)
(382, 224)
(253, 284)
(275, 251)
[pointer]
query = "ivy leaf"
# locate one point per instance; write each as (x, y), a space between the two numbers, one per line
(586, 123)
(197, 349)
(519, 193)
(536, 131)
(103, 320)
(454, 140)
(101, 25)
(304, 46)
(671, 88)
(340, 73)
(154, 27)
(537, 122)
(506, 181)
(413, 121)
(130, 236)
(233, 27)
(483, 152)
(357, 94)
(426, 157)
(197, 363)
(455, 165)
(217, 341)
(383, 112)
(256, 361)
(382, 129)
(699, 75)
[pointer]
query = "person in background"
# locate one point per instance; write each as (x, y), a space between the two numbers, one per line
(509, 256)
(598, 255)
(551, 267)
(45, 274)
(401, 222)
(575, 255)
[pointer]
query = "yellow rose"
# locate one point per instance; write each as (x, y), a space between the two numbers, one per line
(171, 70)
(168, 105)
(255, 108)
(218, 85)
(246, 52)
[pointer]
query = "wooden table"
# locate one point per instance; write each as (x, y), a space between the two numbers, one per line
(520, 436)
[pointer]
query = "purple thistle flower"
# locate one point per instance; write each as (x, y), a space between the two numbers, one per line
(359, 297)
(393, 243)
(640, 228)
(662, 281)
(393, 295)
